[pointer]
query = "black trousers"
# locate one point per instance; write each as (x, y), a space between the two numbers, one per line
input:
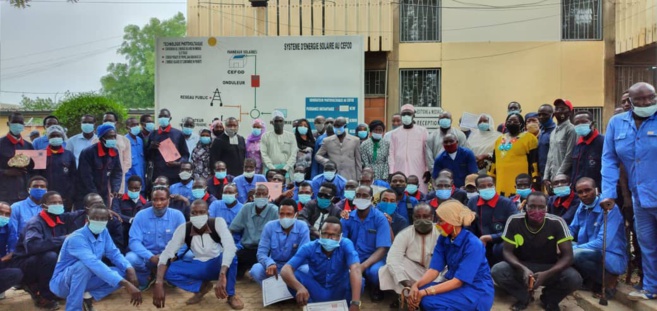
(246, 258)
(37, 271)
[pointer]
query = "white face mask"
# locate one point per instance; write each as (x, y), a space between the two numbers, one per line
(199, 221)
(644, 112)
(362, 204)
(407, 120)
(185, 175)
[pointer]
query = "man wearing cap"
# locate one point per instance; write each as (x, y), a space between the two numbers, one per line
(278, 148)
(99, 168)
(435, 141)
(562, 142)
(60, 169)
(408, 146)
(41, 143)
(343, 149)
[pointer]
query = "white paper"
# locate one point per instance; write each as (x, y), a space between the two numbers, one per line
(274, 290)
(340, 305)
(469, 120)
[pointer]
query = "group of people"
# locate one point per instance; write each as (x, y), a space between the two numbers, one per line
(436, 218)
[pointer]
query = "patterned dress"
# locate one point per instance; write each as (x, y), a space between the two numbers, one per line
(253, 152)
(375, 155)
(201, 159)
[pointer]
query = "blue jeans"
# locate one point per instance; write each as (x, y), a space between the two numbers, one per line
(588, 263)
(190, 275)
(645, 220)
(77, 279)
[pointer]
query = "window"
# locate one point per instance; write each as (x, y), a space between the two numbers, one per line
(419, 20)
(581, 20)
(375, 82)
(420, 87)
(597, 116)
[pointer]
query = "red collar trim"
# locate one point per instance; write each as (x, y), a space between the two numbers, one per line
(101, 151)
(492, 202)
(590, 139)
(299, 207)
(347, 206)
(14, 141)
(51, 151)
(566, 203)
(434, 203)
(416, 195)
(165, 130)
(49, 220)
(216, 181)
(206, 196)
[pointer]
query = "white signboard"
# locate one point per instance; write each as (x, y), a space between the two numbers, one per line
(427, 117)
(250, 77)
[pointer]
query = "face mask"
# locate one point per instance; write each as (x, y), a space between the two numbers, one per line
(592, 205)
(328, 244)
(471, 195)
(133, 195)
(423, 226)
(561, 192)
(199, 221)
(387, 207)
(198, 193)
(256, 131)
(37, 193)
(524, 192)
(451, 148)
(56, 209)
(231, 132)
(399, 190)
(362, 134)
(329, 175)
(110, 143)
(304, 198)
(302, 130)
(444, 194)
(187, 131)
(260, 202)
(159, 212)
(487, 194)
(583, 129)
(513, 111)
(185, 175)
(362, 204)
(483, 127)
(339, 130)
(87, 128)
(205, 140)
(536, 216)
(135, 130)
(278, 127)
(407, 120)
(377, 136)
(286, 222)
(318, 127)
(445, 123)
(164, 122)
(644, 112)
(445, 229)
(150, 126)
(513, 128)
(217, 133)
(96, 227)
(349, 194)
(299, 177)
(220, 175)
(323, 203)
(249, 174)
(16, 128)
(228, 198)
(56, 141)
(411, 188)
(3, 221)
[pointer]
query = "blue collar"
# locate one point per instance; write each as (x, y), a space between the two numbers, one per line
(87, 233)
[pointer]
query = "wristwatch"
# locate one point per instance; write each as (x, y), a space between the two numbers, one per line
(355, 303)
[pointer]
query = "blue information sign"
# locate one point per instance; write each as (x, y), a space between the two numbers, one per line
(333, 107)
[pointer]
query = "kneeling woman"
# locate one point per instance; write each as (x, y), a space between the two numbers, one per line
(468, 284)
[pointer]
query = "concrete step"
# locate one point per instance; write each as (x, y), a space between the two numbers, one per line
(643, 305)
(619, 302)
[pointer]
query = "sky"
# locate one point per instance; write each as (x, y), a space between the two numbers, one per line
(55, 46)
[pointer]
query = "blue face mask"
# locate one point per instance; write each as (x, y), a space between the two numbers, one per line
(164, 122)
(135, 130)
(187, 131)
(445, 123)
(56, 209)
(198, 193)
(328, 244)
(329, 175)
(349, 194)
(205, 140)
(362, 134)
(37, 193)
(96, 227)
(304, 198)
(87, 128)
(220, 175)
(256, 132)
(411, 188)
(561, 192)
(487, 194)
(483, 127)
(339, 130)
(3, 221)
(16, 128)
(56, 141)
(133, 195)
(444, 194)
(323, 203)
(260, 202)
(524, 192)
(583, 129)
(228, 198)
(387, 207)
(302, 130)
(110, 143)
(150, 126)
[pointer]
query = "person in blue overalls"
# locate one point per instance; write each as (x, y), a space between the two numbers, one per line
(247, 180)
(405, 203)
(8, 238)
(61, 170)
(200, 191)
(23, 211)
(130, 203)
(468, 285)
(100, 168)
(81, 275)
(184, 187)
(138, 167)
(331, 175)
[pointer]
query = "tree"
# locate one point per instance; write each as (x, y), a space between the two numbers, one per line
(133, 83)
(22, 4)
(37, 103)
(71, 110)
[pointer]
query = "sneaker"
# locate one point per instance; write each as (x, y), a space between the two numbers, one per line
(46, 304)
(88, 304)
(519, 306)
(641, 295)
(235, 302)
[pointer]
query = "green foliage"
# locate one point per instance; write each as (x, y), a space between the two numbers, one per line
(37, 103)
(71, 110)
(133, 83)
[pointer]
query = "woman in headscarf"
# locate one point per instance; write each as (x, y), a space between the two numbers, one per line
(468, 283)
(253, 143)
(482, 141)
(532, 124)
(201, 156)
(217, 128)
(374, 151)
(305, 145)
(362, 132)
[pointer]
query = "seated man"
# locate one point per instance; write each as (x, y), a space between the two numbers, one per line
(330, 175)
(388, 206)
(247, 180)
(150, 232)
(315, 212)
(444, 190)
(228, 207)
(405, 203)
(114, 226)
(347, 204)
(177, 201)
(23, 211)
(537, 252)
(220, 179)
(369, 229)
(184, 187)
(129, 204)
(250, 222)
(199, 191)
(214, 255)
(410, 254)
(280, 241)
(470, 187)
(304, 195)
(588, 229)
(564, 202)
(8, 276)
(523, 189)
(333, 269)
(81, 274)
(298, 178)
(412, 188)
(492, 210)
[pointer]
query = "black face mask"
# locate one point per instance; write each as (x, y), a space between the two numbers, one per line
(399, 190)
(217, 133)
(513, 128)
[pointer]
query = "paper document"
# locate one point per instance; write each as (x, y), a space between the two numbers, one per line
(275, 189)
(274, 290)
(469, 120)
(168, 150)
(40, 157)
(340, 305)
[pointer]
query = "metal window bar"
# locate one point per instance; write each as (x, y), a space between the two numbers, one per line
(419, 20)
(581, 20)
(375, 82)
(626, 75)
(419, 87)
(597, 116)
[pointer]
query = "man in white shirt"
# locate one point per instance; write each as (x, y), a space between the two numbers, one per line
(278, 149)
(191, 138)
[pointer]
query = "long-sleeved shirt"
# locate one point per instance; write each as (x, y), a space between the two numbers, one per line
(338, 181)
(22, 212)
(150, 234)
(231, 154)
(183, 189)
(313, 217)
(13, 188)
(434, 144)
(43, 233)
(564, 207)
(277, 247)
(61, 172)
(77, 143)
(127, 208)
(216, 186)
(329, 271)
(219, 208)
(124, 147)
(416, 247)
(544, 145)
(345, 154)
(42, 143)
(8, 239)
(99, 171)
(160, 167)
(587, 158)
(114, 228)
(562, 143)
(462, 164)
(191, 141)
(250, 224)
(277, 150)
(491, 216)
(138, 161)
(203, 246)
(408, 152)
(637, 151)
(368, 234)
(243, 185)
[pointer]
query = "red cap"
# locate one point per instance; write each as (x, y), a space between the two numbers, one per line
(565, 102)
